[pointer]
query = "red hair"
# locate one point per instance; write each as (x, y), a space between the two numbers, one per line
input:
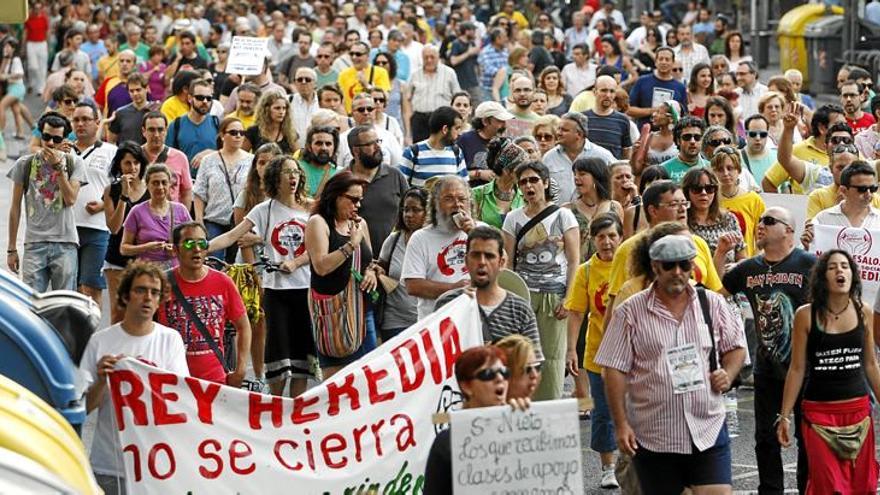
(475, 358)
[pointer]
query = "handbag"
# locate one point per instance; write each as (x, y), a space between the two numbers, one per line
(338, 321)
(845, 441)
(546, 212)
(197, 322)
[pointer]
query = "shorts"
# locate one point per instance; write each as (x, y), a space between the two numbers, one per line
(289, 340)
(92, 249)
(663, 473)
(367, 345)
(16, 90)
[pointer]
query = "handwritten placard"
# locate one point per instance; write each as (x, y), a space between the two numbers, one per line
(496, 450)
(246, 55)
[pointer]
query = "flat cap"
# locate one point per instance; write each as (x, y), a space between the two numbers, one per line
(673, 248)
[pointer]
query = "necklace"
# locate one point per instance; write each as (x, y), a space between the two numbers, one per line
(502, 195)
(838, 313)
(729, 196)
(588, 205)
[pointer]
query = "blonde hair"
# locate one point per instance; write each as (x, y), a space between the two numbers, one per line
(769, 95)
(264, 106)
(549, 120)
(517, 347)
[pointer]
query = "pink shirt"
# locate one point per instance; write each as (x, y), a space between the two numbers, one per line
(640, 333)
(179, 165)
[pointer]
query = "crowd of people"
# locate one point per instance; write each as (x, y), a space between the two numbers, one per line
(594, 185)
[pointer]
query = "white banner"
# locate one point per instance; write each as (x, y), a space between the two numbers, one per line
(367, 429)
(498, 450)
(862, 244)
(246, 55)
(796, 204)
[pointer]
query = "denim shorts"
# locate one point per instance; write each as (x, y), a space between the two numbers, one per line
(664, 473)
(602, 438)
(92, 250)
(49, 262)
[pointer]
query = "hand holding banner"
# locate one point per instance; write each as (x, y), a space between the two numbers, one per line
(247, 55)
(862, 244)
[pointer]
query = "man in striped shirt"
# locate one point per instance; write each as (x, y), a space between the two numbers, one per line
(438, 155)
(659, 351)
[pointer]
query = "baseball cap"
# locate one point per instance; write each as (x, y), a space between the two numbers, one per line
(492, 109)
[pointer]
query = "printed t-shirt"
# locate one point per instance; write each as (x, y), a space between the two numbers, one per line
(747, 208)
(283, 231)
(437, 255)
(540, 255)
(590, 297)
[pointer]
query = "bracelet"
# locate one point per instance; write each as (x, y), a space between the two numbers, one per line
(780, 418)
(12, 251)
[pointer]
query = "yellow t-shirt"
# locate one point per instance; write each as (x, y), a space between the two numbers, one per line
(246, 121)
(704, 271)
(826, 197)
(806, 151)
(586, 100)
(108, 66)
(590, 297)
(173, 108)
(350, 85)
(747, 208)
(518, 18)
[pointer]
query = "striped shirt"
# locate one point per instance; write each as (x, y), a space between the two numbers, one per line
(431, 163)
(610, 131)
(640, 333)
(429, 91)
(491, 60)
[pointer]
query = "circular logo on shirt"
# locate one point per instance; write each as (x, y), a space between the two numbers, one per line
(599, 298)
(289, 237)
(451, 258)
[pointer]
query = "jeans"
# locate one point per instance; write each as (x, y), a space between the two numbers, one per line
(92, 250)
(768, 403)
(216, 229)
(602, 430)
(45, 262)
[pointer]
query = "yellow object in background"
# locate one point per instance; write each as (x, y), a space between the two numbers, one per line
(13, 12)
(790, 33)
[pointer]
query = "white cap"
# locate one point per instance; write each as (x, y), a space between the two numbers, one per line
(492, 109)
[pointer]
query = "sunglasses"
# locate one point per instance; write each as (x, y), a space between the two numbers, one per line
(718, 142)
(544, 137)
(304, 80)
(381, 63)
(533, 368)
(685, 265)
(202, 97)
(379, 100)
(845, 148)
(771, 221)
(364, 109)
(864, 189)
(354, 199)
(678, 69)
(52, 138)
(758, 134)
(534, 179)
(68, 101)
(357, 54)
(727, 150)
(841, 140)
(320, 55)
(691, 137)
(191, 244)
(489, 374)
(235, 133)
(707, 188)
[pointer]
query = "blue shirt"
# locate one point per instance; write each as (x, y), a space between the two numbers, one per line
(95, 51)
(649, 92)
(193, 139)
(431, 163)
(491, 60)
(872, 12)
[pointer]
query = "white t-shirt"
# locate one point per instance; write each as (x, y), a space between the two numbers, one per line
(391, 150)
(540, 254)
(97, 160)
(163, 348)
(436, 255)
(283, 240)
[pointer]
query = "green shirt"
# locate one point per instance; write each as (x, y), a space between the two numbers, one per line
(677, 168)
(486, 206)
(324, 79)
(316, 176)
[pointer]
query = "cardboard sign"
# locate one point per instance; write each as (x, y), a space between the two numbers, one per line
(862, 244)
(368, 429)
(247, 55)
(499, 450)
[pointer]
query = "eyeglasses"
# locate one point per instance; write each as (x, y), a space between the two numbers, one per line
(677, 69)
(489, 374)
(677, 204)
(354, 199)
(68, 101)
(304, 80)
(235, 133)
(771, 221)
(202, 97)
(322, 55)
(685, 265)
(544, 137)
(381, 63)
(357, 54)
(191, 244)
(292, 172)
(718, 142)
(864, 189)
(52, 138)
(706, 188)
(840, 140)
(364, 109)
(532, 179)
(533, 368)
(691, 137)
(143, 291)
(758, 134)
(848, 96)
(377, 142)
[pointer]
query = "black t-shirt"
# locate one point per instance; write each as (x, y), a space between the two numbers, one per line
(194, 63)
(256, 139)
(438, 470)
(540, 58)
(775, 291)
(127, 125)
(467, 70)
(473, 147)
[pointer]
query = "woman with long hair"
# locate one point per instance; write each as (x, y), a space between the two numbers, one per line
(735, 50)
(745, 204)
(343, 273)
(719, 112)
(127, 188)
(461, 102)
(280, 222)
(400, 309)
(389, 63)
(222, 176)
(546, 257)
(12, 74)
(558, 100)
(633, 216)
(148, 226)
(644, 57)
(832, 346)
(274, 123)
(524, 366)
(492, 201)
(592, 182)
(708, 219)
(614, 56)
(253, 194)
(701, 86)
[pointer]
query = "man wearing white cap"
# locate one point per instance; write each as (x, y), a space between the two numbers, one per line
(489, 121)
(670, 353)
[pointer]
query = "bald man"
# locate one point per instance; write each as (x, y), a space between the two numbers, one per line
(429, 88)
(113, 92)
(609, 128)
(304, 102)
(775, 283)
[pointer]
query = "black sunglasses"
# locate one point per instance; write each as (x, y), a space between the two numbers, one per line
(304, 80)
(841, 140)
(707, 188)
(235, 133)
(52, 138)
(203, 97)
(718, 142)
(685, 265)
(533, 367)
(771, 221)
(691, 137)
(864, 189)
(364, 109)
(534, 179)
(489, 374)
(758, 134)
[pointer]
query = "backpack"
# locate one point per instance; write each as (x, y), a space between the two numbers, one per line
(414, 149)
(175, 134)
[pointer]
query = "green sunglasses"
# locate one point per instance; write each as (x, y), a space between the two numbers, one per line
(192, 243)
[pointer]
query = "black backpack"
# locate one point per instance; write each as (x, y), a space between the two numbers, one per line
(414, 149)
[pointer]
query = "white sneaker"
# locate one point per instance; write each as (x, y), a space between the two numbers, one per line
(608, 479)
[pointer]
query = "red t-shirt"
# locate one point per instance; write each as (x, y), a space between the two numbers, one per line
(37, 27)
(866, 121)
(215, 300)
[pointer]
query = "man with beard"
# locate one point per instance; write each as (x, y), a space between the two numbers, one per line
(438, 155)
(435, 256)
(317, 158)
(522, 89)
(608, 127)
(386, 185)
(850, 98)
(688, 51)
(248, 95)
(196, 131)
(688, 136)
(489, 121)
(502, 312)
(363, 109)
(722, 23)
(113, 93)
(775, 283)
(125, 125)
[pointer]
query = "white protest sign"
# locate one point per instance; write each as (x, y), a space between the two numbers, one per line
(796, 204)
(368, 429)
(496, 450)
(862, 244)
(246, 55)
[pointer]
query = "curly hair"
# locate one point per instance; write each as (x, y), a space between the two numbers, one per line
(264, 106)
(552, 69)
(253, 188)
(272, 178)
(136, 152)
(134, 270)
(819, 293)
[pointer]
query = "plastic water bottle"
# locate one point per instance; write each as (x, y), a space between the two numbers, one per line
(730, 405)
